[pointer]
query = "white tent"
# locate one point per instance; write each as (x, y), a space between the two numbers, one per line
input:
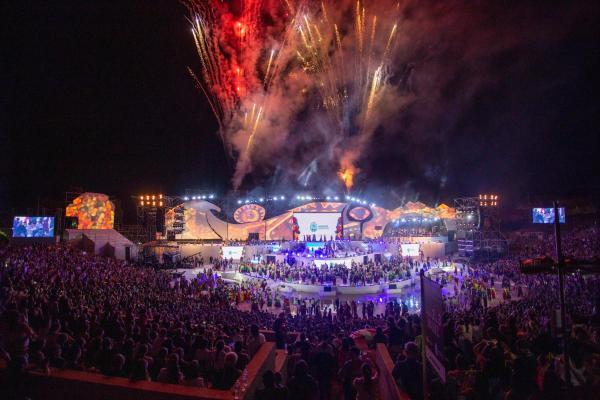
(124, 249)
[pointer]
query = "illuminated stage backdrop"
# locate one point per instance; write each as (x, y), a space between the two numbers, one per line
(201, 221)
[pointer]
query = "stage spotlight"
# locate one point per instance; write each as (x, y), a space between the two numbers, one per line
(297, 197)
(327, 198)
(336, 198)
(347, 197)
(282, 198)
(193, 197)
(261, 199)
(211, 196)
(246, 202)
(204, 197)
(186, 198)
(403, 219)
(239, 202)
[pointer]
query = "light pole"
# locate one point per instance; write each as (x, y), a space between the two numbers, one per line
(561, 287)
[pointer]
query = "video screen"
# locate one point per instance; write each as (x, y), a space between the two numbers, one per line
(317, 224)
(546, 215)
(234, 252)
(312, 246)
(410, 249)
(33, 227)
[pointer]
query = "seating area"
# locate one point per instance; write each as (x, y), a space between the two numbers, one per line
(75, 324)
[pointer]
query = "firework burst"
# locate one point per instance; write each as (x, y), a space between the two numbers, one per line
(250, 49)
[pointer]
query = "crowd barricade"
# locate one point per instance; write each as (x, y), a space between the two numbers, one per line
(388, 389)
(75, 385)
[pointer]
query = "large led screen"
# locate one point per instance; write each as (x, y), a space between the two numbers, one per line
(546, 215)
(234, 252)
(33, 227)
(410, 249)
(317, 224)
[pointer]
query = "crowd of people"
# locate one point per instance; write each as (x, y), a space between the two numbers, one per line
(63, 309)
(393, 270)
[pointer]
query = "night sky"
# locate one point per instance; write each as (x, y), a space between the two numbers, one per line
(96, 97)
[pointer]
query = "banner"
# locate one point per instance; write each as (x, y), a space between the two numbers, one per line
(431, 312)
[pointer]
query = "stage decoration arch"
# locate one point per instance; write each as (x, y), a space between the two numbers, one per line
(249, 213)
(360, 213)
(201, 220)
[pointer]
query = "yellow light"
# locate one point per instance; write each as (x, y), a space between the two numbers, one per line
(160, 196)
(142, 203)
(153, 197)
(147, 197)
(160, 204)
(154, 203)
(141, 197)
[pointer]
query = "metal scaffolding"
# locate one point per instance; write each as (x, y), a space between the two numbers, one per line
(478, 230)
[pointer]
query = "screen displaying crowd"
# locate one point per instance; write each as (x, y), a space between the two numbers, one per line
(33, 227)
(61, 308)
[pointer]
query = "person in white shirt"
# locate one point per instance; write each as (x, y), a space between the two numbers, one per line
(254, 341)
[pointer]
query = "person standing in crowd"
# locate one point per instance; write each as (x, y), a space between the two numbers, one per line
(349, 371)
(408, 372)
(270, 391)
(366, 384)
(229, 375)
(255, 340)
(302, 386)
(280, 331)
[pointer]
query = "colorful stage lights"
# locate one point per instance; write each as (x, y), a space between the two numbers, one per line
(488, 200)
(151, 200)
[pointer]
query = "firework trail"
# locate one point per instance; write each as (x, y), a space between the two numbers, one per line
(254, 53)
(349, 103)
(241, 58)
